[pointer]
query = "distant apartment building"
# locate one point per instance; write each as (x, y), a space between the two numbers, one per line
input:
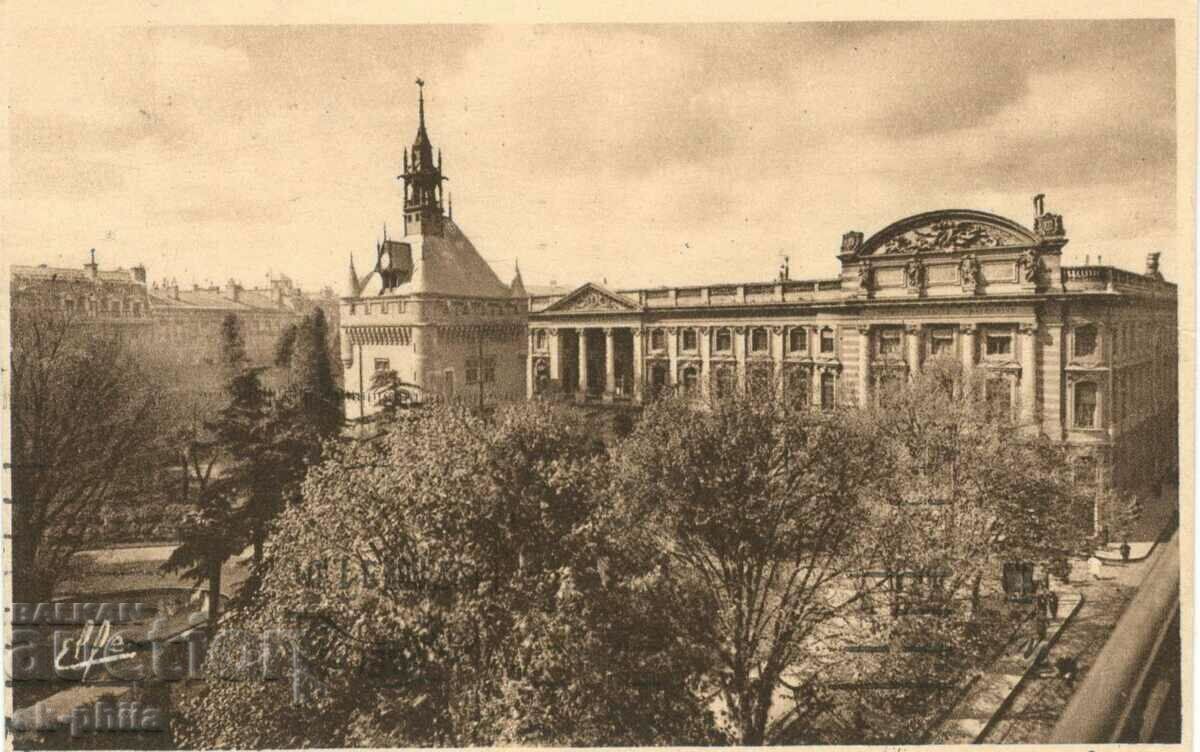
(175, 328)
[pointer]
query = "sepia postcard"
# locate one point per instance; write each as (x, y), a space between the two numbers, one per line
(395, 376)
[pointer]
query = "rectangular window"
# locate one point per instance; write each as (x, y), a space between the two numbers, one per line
(797, 340)
(998, 343)
(758, 341)
(890, 342)
(472, 372)
(941, 342)
(489, 370)
(1085, 341)
(689, 340)
(724, 341)
(827, 391)
(382, 364)
(1086, 401)
(827, 340)
(658, 340)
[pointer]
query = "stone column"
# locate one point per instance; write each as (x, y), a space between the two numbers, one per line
(638, 364)
(815, 386)
(777, 359)
(705, 362)
(581, 390)
(556, 355)
(673, 354)
(610, 379)
(912, 338)
(1029, 375)
(529, 375)
(968, 346)
(739, 350)
(864, 365)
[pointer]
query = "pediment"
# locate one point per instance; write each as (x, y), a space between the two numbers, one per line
(592, 298)
(948, 232)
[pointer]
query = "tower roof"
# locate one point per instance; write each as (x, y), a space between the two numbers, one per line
(517, 288)
(445, 264)
(352, 282)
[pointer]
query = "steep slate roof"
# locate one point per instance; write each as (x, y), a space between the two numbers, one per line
(445, 264)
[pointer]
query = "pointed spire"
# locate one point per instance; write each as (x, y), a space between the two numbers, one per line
(450, 201)
(352, 287)
(420, 105)
(517, 288)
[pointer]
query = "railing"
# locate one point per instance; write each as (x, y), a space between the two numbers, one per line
(1109, 276)
(1131, 692)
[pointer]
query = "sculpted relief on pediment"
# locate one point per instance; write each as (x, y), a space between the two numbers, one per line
(949, 235)
(592, 300)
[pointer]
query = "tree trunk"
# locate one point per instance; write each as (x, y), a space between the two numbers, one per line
(214, 595)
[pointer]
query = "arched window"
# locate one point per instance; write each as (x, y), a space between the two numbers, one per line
(726, 381)
(797, 389)
(1085, 340)
(690, 377)
(828, 381)
(1086, 403)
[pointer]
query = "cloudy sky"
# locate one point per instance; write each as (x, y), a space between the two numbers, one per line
(640, 155)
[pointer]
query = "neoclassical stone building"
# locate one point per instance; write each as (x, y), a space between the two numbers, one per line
(1086, 355)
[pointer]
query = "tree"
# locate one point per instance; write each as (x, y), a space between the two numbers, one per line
(210, 533)
(286, 442)
(84, 423)
(966, 491)
(393, 393)
(754, 509)
(457, 580)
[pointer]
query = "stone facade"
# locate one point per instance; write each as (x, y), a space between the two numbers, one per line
(430, 309)
(1085, 355)
(177, 330)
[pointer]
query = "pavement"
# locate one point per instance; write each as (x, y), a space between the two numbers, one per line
(1020, 697)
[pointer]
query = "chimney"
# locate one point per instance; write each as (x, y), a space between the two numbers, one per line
(139, 274)
(92, 267)
(233, 291)
(1152, 266)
